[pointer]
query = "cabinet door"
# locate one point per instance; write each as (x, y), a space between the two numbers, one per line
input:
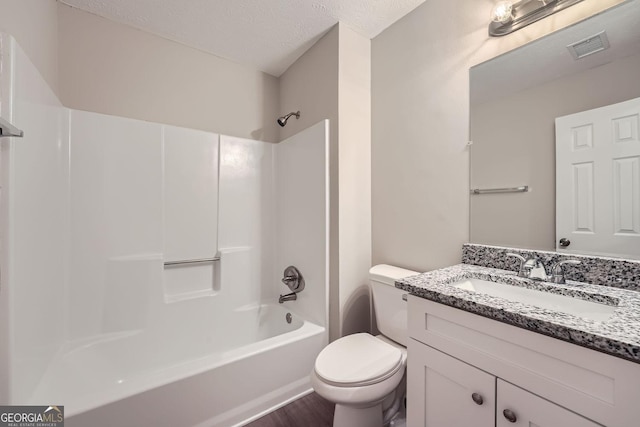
(527, 409)
(440, 391)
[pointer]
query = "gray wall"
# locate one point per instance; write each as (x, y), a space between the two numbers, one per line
(34, 25)
(420, 163)
(114, 69)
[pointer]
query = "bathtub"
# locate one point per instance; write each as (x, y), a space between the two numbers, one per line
(254, 360)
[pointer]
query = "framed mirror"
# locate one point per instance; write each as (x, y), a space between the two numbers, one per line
(515, 99)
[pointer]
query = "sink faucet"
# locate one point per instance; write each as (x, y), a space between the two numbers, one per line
(535, 268)
(557, 272)
(531, 268)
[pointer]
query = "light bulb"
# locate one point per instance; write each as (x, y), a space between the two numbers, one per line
(502, 12)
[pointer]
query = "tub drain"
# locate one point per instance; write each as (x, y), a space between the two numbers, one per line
(288, 317)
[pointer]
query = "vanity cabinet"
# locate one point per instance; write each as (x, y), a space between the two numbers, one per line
(454, 393)
(467, 370)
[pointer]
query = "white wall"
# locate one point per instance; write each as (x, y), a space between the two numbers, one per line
(34, 24)
(420, 125)
(114, 69)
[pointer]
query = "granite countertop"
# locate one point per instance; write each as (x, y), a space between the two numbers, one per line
(618, 336)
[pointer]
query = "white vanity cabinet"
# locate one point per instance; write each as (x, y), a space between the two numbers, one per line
(454, 393)
(467, 370)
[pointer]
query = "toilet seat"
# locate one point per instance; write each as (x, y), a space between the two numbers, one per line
(358, 360)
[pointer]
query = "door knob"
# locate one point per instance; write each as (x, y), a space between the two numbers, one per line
(510, 415)
(477, 398)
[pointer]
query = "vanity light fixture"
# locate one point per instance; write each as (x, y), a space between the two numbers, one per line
(508, 16)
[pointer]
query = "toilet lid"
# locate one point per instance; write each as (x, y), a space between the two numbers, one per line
(358, 359)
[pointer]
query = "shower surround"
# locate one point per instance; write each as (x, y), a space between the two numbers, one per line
(100, 310)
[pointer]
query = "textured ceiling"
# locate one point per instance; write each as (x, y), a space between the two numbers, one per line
(266, 34)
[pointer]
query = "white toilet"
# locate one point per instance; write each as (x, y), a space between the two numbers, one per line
(364, 374)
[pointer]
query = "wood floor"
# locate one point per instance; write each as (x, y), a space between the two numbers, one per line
(308, 411)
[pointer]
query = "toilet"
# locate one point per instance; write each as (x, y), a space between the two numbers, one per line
(364, 375)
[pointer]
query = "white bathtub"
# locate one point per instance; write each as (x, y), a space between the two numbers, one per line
(250, 362)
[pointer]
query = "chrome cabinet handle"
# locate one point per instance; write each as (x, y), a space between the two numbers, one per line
(477, 398)
(405, 297)
(510, 415)
(564, 242)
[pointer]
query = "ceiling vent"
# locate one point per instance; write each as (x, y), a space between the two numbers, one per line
(586, 47)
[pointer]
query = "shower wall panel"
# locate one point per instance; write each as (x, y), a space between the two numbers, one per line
(190, 223)
(246, 222)
(302, 217)
(141, 194)
(115, 209)
(33, 226)
(190, 194)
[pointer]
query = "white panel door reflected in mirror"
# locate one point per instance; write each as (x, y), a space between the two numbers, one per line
(598, 180)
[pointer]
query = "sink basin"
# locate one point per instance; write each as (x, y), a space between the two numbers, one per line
(562, 303)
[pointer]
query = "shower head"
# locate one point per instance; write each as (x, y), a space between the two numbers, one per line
(282, 121)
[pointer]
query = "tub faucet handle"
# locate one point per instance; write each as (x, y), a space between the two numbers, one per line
(289, 279)
(293, 279)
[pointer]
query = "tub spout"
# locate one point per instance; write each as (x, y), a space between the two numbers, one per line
(288, 297)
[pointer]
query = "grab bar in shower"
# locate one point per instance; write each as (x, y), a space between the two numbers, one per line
(522, 189)
(192, 261)
(7, 129)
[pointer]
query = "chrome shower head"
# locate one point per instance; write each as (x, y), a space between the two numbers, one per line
(282, 121)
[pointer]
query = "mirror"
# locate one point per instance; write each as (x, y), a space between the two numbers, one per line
(514, 101)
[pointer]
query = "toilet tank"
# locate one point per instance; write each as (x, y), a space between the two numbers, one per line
(389, 307)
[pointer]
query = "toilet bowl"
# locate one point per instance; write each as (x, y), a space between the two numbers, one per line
(364, 375)
(360, 373)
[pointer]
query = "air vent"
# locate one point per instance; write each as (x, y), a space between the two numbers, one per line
(586, 47)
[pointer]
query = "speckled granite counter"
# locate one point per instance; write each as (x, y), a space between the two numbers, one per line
(618, 336)
(600, 270)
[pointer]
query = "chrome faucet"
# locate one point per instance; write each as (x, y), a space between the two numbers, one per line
(531, 268)
(521, 271)
(294, 281)
(557, 272)
(535, 269)
(288, 297)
